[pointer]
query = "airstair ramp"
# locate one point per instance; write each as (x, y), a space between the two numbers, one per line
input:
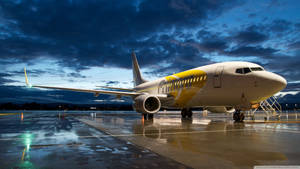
(270, 107)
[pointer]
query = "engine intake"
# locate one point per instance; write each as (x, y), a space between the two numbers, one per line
(147, 104)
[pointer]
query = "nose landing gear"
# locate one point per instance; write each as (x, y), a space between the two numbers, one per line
(186, 113)
(238, 116)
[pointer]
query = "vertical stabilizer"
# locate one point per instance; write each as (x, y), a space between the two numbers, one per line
(137, 77)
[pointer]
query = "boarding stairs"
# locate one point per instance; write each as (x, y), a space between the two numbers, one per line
(271, 108)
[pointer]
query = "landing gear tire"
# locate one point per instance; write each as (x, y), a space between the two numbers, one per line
(190, 114)
(238, 116)
(183, 113)
(186, 113)
(148, 116)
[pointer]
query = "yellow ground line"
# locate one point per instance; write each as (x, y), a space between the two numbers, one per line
(7, 114)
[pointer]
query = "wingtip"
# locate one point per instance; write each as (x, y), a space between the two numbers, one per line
(26, 78)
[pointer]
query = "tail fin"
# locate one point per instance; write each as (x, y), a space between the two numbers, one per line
(137, 77)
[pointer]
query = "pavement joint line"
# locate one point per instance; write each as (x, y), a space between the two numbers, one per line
(280, 130)
(132, 135)
(174, 133)
(170, 133)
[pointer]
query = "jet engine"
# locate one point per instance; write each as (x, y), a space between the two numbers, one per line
(220, 109)
(147, 104)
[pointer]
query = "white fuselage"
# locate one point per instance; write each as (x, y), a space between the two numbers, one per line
(232, 84)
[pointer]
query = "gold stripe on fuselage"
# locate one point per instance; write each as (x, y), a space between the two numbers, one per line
(184, 86)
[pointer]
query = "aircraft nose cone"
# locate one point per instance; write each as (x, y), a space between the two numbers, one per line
(278, 82)
(270, 84)
(281, 82)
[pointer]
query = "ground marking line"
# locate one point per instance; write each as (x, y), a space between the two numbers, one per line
(169, 133)
(131, 135)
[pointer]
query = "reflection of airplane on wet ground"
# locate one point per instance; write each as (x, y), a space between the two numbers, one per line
(199, 141)
(221, 139)
(220, 87)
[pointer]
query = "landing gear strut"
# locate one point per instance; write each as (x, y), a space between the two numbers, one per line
(186, 113)
(148, 116)
(238, 116)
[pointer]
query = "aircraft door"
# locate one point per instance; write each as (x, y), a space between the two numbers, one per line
(160, 87)
(218, 77)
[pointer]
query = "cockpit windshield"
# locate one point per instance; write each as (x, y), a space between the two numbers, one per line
(256, 69)
(246, 70)
(243, 70)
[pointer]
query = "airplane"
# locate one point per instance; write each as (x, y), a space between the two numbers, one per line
(220, 88)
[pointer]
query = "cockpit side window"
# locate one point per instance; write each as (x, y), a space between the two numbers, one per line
(246, 70)
(240, 71)
(256, 69)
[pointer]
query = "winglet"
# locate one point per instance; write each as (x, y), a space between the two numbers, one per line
(26, 78)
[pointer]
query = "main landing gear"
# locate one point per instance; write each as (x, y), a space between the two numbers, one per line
(238, 116)
(148, 116)
(186, 113)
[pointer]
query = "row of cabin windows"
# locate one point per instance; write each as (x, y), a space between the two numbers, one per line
(176, 84)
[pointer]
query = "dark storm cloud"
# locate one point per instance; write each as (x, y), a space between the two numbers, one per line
(75, 75)
(186, 56)
(84, 33)
(294, 46)
(287, 66)
(209, 42)
(31, 72)
(250, 37)
(252, 51)
(251, 15)
(289, 98)
(293, 87)
(6, 78)
(280, 25)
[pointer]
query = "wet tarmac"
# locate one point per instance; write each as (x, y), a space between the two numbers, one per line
(213, 141)
(45, 140)
(125, 140)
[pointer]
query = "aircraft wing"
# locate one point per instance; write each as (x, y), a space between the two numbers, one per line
(96, 92)
(115, 88)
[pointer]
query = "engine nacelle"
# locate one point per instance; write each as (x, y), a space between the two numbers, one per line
(147, 104)
(220, 109)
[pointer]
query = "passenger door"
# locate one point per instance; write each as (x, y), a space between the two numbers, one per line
(218, 77)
